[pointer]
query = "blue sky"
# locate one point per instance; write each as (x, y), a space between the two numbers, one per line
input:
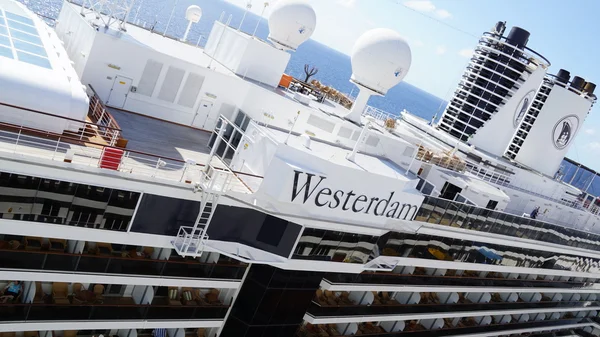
(442, 34)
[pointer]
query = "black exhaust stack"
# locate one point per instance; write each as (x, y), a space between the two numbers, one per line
(589, 88)
(577, 83)
(562, 77)
(518, 37)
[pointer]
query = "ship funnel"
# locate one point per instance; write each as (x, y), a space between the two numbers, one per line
(518, 37)
(499, 28)
(589, 88)
(563, 77)
(577, 83)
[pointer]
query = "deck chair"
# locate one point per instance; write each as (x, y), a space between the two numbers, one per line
(99, 292)
(187, 296)
(174, 296)
(60, 293)
(39, 293)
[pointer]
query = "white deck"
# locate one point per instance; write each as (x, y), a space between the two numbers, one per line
(338, 154)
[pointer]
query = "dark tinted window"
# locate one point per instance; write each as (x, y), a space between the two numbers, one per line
(164, 215)
(253, 228)
(272, 230)
(61, 202)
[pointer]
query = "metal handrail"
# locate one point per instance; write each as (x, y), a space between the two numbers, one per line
(78, 149)
(99, 114)
(378, 114)
(52, 115)
(503, 40)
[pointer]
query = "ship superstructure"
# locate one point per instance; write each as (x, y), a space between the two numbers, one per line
(203, 194)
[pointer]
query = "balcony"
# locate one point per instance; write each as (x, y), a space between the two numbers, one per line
(319, 310)
(89, 312)
(463, 327)
(34, 253)
(449, 213)
(335, 246)
(187, 332)
(72, 302)
(466, 280)
(370, 303)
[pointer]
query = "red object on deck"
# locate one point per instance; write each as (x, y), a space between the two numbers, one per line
(111, 158)
(285, 81)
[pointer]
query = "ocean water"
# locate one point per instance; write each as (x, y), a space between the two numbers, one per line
(334, 67)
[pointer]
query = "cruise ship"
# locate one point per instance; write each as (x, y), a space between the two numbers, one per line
(150, 187)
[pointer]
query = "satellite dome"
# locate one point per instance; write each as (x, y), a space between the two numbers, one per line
(193, 13)
(380, 60)
(291, 23)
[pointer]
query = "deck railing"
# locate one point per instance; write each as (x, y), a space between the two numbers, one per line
(81, 144)
(109, 264)
(380, 115)
(99, 312)
(107, 125)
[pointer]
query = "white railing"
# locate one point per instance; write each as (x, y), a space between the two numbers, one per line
(504, 181)
(440, 159)
(190, 241)
(253, 131)
(488, 175)
(217, 180)
(105, 124)
(380, 115)
(30, 144)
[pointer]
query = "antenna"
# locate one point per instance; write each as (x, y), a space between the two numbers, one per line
(137, 12)
(193, 15)
(109, 12)
(170, 17)
(248, 7)
(265, 5)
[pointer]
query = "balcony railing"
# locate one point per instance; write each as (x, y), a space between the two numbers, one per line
(318, 310)
(449, 213)
(87, 263)
(91, 312)
(484, 329)
(457, 281)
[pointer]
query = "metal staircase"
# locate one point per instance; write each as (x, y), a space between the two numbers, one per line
(191, 241)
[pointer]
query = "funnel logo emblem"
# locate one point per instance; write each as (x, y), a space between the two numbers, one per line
(302, 30)
(522, 108)
(564, 131)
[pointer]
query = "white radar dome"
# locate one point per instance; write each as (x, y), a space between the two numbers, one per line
(193, 13)
(380, 60)
(291, 23)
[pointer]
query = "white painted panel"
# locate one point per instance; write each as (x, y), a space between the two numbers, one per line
(171, 83)
(149, 78)
(559, 104)
(190, 90)
(495, 135)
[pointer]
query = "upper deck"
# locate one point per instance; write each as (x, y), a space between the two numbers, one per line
(157, 151)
